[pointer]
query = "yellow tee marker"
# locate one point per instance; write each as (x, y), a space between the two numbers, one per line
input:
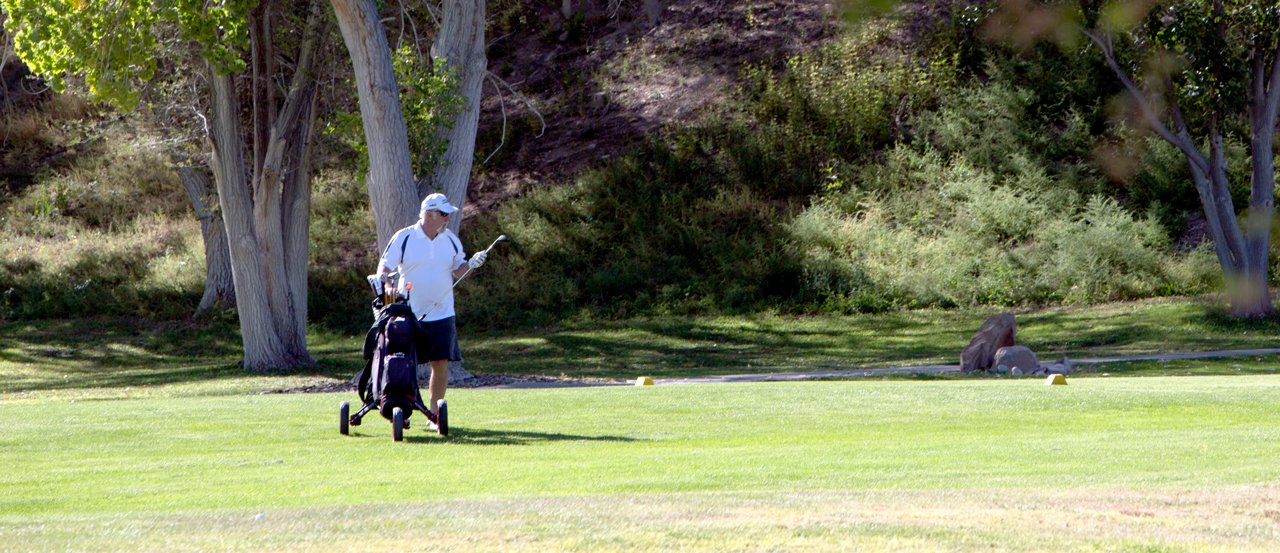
(644, 381)
(1056, 380)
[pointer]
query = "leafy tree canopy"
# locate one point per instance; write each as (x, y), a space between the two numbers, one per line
(114, 43)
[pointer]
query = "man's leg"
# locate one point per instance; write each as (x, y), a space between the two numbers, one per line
(439, 382)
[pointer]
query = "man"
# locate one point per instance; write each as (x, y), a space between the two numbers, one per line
(429, 258)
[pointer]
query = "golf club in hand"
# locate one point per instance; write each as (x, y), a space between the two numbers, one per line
(501, 238)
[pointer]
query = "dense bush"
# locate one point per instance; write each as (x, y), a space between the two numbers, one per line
(962, 236)
(660, 230)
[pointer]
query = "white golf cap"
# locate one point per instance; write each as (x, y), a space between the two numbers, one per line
(437, 202)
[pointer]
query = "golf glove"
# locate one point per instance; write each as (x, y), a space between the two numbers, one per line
(477, 260)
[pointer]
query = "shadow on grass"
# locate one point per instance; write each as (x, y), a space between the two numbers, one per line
(476, 436)
(111, 352)
(681, 346)
(119, 352)
(666, 347)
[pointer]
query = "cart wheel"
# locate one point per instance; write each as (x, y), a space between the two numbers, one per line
(344, 417)
(442, 418)
(397, 424)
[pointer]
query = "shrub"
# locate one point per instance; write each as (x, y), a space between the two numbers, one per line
(850, 97)
(99, 192)
(656, 231)
(1012, 241)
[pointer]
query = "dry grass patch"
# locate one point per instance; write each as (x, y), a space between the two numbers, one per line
(1239, 519)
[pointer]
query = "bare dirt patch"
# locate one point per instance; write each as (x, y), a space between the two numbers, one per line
(615, 80)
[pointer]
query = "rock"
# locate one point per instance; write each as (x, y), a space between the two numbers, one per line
(1002, 369)
(1016, 372)
(997, 332)
(457, 374)
(1061, 366)
(1017, 356)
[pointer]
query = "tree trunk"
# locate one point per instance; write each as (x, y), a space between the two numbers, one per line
(1244, 258)
(281, 219)
(461, 44)
(263, 348)
(218, 287)
(296, 214)
(1255, 293)
(392, 194)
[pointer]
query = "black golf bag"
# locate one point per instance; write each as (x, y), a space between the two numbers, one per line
(389, 380)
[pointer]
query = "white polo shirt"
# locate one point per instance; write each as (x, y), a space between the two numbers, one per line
(427, 266)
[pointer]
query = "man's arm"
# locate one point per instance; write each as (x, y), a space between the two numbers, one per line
(461, 270)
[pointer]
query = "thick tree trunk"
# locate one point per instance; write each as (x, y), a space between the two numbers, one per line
(392, 192)
(284, 297)
(263, 348)
(1255, 293)
(261, 91)
(296, 214)
(218, 287)
(282, 200)
(461, 44)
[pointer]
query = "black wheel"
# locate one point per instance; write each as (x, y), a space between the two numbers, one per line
(442, 418)
(397, 424)
(344, 417)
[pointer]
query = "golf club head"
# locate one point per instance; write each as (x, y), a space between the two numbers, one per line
(501, 238)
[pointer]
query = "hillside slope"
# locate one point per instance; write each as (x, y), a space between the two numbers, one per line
(606, 84)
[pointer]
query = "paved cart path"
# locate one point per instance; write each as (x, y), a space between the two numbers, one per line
(845, 373)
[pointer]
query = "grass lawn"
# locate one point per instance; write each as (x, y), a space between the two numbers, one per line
(1103, 464)
(128, 357)
(137, 436)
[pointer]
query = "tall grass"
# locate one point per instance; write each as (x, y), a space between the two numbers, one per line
(153, 268)
(103, 229)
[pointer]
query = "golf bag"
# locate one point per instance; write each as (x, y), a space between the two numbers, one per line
(390, 375)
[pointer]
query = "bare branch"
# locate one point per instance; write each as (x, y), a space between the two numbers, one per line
(433, 12)
(495, 41)
(1183, 143)
(1175, 111)
(503, 104)
(526, 101)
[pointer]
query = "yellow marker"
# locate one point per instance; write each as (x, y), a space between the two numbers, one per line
(1056, 380)
(644, 381)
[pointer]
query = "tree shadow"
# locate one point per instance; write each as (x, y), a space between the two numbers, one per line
(479, 436)
(116, 352)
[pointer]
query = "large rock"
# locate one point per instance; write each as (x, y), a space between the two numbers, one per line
(997, 332)
(1018, 357)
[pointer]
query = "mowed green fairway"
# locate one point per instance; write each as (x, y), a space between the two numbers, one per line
(1130, 464)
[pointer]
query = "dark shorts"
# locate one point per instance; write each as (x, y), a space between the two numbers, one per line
(443, 336)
